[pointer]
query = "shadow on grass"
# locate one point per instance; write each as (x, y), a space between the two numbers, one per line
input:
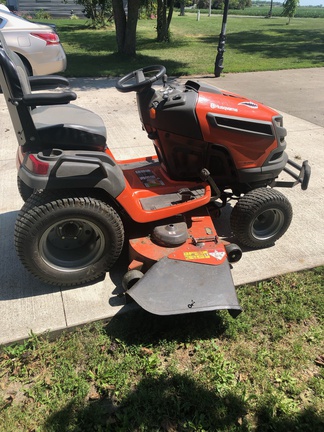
(166, 403)
(304, 44)
(178, 403)
(115, 65)
(95, 52)
(141, 327)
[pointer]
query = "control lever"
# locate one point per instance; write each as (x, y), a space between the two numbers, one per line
(164, 80)
(206, 177)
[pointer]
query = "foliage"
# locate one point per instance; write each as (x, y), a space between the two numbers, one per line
(262, 371)
(99, 12)
(289, 9)
(42, 15)
(148, 9)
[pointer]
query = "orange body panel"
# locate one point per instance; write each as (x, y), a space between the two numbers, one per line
(248, 150)
(157, 185)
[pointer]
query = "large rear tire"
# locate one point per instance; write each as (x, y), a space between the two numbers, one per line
(69, 240)
(261, 217)
(25, 191)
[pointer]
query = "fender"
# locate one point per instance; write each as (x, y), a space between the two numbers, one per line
(72, 170)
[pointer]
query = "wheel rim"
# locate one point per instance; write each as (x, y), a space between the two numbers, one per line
(267, 224)
(71, 244)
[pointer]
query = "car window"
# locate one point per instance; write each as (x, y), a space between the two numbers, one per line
(2, 22)
(10, 15)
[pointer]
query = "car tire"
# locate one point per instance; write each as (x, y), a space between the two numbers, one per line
(261, 217)
(28, 68)
(68, 240)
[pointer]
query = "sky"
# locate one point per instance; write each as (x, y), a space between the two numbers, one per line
(311, 2)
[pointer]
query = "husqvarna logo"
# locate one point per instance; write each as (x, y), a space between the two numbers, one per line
(221, 107)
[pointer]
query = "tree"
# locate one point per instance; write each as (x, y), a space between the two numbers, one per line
(270, 10)
(182, 7)
(164, 16)
(98, 11)
(289, 9)
(125, 16)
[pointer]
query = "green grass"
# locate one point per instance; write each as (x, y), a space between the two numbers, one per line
(201, 372)
(253, 44)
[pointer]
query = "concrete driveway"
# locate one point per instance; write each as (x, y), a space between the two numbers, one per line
(28, 305)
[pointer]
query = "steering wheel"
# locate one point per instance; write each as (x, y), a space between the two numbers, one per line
(139, 79)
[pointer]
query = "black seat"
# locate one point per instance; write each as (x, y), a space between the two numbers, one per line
(46, 120)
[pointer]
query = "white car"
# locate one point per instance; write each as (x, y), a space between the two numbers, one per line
(38, 45)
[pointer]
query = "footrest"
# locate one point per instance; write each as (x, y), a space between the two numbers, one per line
(168, 200)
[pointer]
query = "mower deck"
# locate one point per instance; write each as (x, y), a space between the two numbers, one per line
(175, 287)
(185, 267)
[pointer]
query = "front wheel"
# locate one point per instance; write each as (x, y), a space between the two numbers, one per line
(261, 217)
(68, 241)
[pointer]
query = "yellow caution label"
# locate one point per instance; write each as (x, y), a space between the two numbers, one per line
(196, 255)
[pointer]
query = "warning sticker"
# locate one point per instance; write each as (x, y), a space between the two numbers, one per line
(217, 255)
(196, 255)
(149, 179)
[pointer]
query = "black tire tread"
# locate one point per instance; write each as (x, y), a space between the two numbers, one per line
(41, 204)
(24, 190)
(246, 208)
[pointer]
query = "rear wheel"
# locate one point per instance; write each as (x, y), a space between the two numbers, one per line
(67, 241)
(261, 217)
(25, 191)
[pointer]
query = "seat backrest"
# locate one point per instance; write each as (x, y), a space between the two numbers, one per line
(15, 85)
(23, 77)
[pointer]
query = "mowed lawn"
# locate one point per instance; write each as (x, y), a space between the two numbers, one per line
(253, 44)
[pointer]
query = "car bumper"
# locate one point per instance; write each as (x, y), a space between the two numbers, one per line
(51, 60)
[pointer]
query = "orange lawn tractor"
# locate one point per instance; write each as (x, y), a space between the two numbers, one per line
(211, 146)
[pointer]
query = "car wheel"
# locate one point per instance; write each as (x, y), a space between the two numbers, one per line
(261, 217)
(28, 68)
(69, 240)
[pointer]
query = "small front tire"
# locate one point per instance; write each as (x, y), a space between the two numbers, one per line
(261, 217)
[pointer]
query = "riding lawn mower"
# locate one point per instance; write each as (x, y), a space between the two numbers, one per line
(212, 146)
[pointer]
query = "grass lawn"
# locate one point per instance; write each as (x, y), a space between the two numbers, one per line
(262, 372)
(253, 44)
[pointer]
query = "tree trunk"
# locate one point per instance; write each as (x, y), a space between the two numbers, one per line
(120, 23)
(270, 11)
(163, 21)
(182, 8)
(126, 26)
(130, 35)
